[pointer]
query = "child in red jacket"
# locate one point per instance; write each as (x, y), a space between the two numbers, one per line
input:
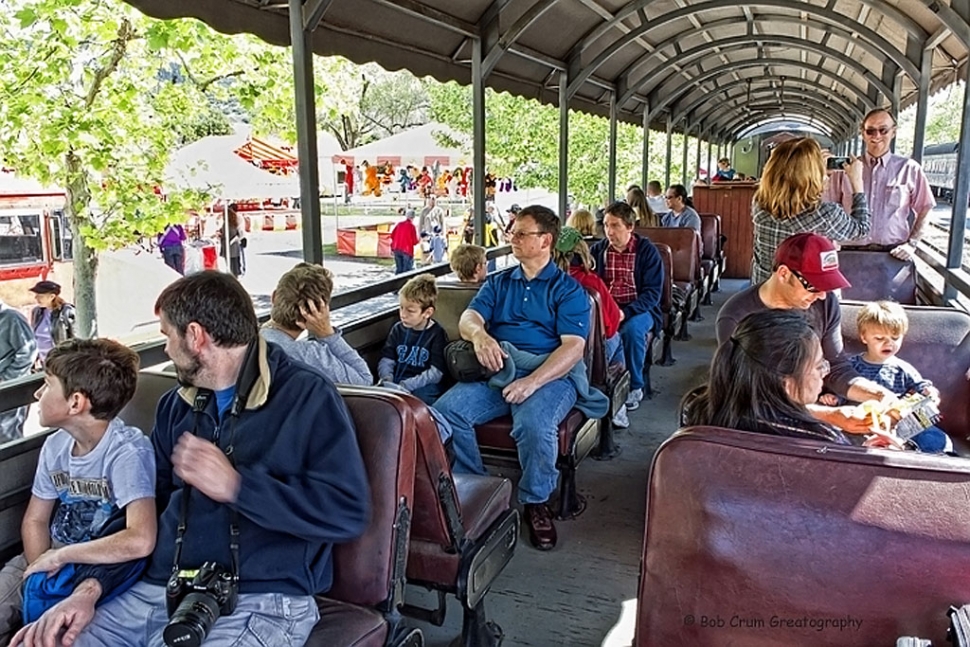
(572, 255)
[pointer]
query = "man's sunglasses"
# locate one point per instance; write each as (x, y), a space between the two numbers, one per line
(805, 284)
(882, 130)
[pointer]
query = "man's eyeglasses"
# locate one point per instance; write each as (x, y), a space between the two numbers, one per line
(519, 235)
(805, 284)
(881, 130)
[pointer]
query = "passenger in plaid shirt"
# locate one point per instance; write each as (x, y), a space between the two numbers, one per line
(789, 201)
(632, 269)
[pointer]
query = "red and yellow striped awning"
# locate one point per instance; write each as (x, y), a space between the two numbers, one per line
(276, 159)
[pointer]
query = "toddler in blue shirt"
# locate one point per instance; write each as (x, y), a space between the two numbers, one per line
(882, 326)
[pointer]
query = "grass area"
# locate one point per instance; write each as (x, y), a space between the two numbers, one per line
(330, 251)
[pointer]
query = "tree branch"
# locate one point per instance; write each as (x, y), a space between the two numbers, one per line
(118, 50)
(204, 85)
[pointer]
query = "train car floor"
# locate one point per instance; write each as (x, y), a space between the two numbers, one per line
(583, 593)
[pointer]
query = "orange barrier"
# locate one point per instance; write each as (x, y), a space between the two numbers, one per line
(372, 241)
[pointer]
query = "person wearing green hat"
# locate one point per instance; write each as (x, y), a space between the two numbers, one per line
(572, 256)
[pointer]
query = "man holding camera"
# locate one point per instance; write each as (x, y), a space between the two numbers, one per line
(898, 192)
(258, 475)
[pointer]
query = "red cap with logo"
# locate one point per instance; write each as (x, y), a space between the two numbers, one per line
(815, 258)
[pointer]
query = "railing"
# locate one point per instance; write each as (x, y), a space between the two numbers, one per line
(16, 393)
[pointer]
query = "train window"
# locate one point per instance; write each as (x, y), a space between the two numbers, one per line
(20, 239)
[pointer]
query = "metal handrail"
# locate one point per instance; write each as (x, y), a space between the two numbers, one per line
(18, 392)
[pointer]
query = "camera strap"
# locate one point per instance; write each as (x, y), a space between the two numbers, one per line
(248, 375)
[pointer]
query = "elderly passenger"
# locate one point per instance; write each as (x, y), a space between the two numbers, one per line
(789, 201)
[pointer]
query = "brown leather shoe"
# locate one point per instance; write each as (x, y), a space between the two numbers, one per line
(542, 532)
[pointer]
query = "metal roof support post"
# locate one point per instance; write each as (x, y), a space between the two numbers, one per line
(645, 165)
(708, 165)
(478, 141)
(894, 105)
(611, 172)
(698, 160)
(683, 159)
(306, 135)
(670, 150)
(961, 194)
(922, 105)
(563, 144)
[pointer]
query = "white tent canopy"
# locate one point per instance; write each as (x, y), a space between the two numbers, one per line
(327, 147)
(211, 164)
(416, 146)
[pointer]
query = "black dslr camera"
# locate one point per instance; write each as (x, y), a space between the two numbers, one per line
(195, 600)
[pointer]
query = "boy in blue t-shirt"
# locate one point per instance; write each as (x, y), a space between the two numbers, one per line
(413, 357)
(91, 516)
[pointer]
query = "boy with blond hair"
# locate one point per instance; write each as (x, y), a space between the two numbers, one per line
(413, 357)
(91, 516)
(469, 263)
(882, 325)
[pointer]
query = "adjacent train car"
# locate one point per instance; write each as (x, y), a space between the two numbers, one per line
(940, 166)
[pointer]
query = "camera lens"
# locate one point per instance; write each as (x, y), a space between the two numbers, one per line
(191, 622)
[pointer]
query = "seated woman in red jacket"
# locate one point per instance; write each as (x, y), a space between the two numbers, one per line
(572, 255)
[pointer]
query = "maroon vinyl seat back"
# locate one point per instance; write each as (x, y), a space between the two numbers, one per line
(938, 346)
(367, 570)
(684, 244)
(439, 496)
(596, 344)
(429, 522)
(453, 299)
(140, 410)
(667, 295)
(711, 236)
(878, 276)
(757, 540)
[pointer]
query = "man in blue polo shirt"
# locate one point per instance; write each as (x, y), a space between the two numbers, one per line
(538, 309)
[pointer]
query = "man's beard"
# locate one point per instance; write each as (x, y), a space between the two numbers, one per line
(188, 372)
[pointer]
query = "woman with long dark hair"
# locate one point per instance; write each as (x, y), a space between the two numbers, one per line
(762, 378)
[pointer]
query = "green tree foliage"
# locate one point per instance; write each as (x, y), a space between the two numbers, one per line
(522, 141)
(89, 103)
(357, 104)
(942, 120)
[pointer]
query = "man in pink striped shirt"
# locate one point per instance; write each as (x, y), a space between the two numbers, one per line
(898, 193)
